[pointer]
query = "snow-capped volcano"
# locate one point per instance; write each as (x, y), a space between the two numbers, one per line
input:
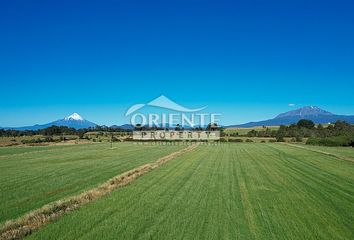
(74, 116)
(305, 112)
(72, 121)
(316, 114)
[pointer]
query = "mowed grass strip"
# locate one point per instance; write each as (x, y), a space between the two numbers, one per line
(345, 153)
(231, 191)
(33, 177)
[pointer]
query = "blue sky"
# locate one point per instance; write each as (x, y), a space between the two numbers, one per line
(245, 59)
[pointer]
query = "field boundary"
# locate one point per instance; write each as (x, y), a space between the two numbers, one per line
(322, 152)
(32, 221)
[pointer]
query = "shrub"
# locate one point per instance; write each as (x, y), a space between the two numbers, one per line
(298, 139)
(236, 140)
(280, 139)
(128, 139)
(249, 140)
(337, 141)
(114, 139)
(306, 124)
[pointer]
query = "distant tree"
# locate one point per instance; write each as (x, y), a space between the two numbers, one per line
(298, 138)
(304, 123)
(280, 138)
(138, 127)
(212, 127)
(321, 131)
(341, 125)
(268, 132)
(252, 133)
(281, 133)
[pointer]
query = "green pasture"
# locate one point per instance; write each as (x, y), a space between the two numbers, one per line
(228, 191)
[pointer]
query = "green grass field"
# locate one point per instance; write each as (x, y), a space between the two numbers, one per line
(230, 191)
(340, 151)
(33, 176)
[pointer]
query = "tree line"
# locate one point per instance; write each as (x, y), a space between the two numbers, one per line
(340, 133)
(58, 131)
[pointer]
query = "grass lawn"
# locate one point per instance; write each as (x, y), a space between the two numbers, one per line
(230, 191)
(33, 176)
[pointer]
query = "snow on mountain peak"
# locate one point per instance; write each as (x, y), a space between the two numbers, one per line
(304, 112)
(75, 116)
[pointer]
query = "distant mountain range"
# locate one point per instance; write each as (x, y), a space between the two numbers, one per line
(313, 113)
(124, 126)
(309, 112)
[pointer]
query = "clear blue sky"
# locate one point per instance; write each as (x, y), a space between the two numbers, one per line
(245, 59)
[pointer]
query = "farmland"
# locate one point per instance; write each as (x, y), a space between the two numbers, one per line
(228, 191)
(33, 176)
